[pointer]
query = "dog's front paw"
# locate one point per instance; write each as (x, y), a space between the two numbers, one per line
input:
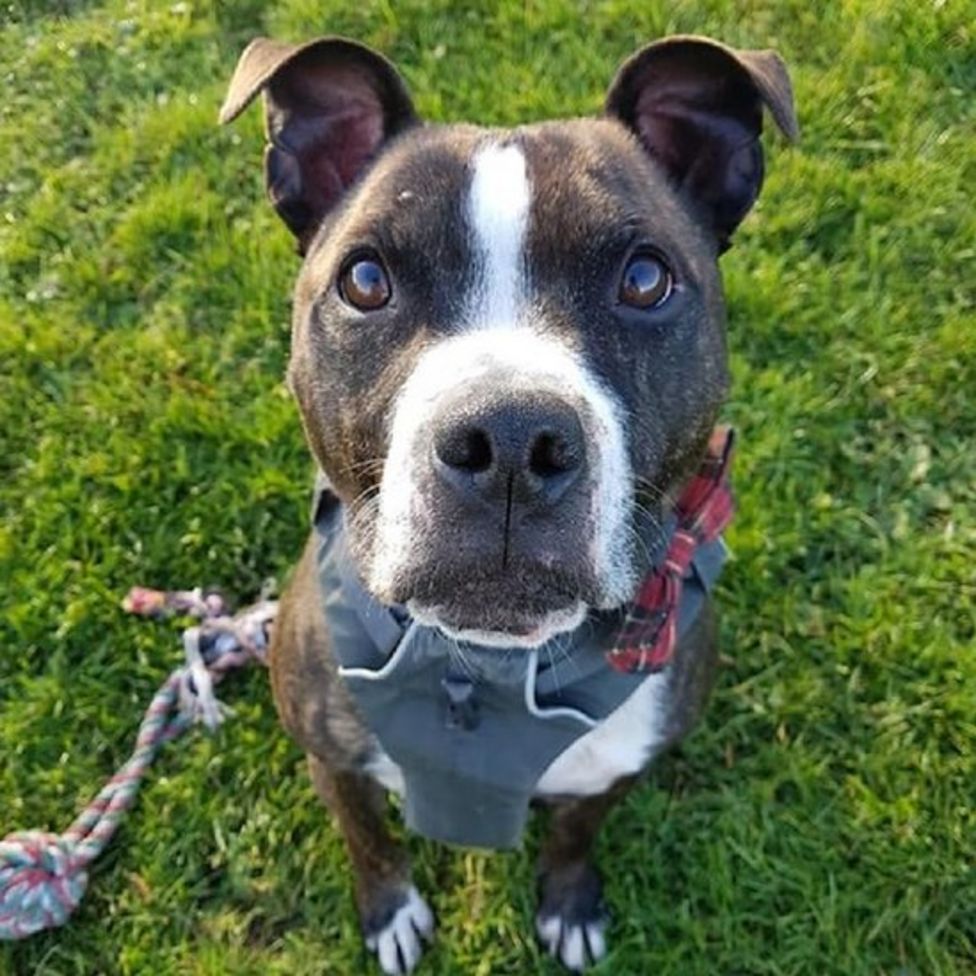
(572, 919)
(397, 932)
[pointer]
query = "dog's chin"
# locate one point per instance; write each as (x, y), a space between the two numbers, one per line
(527, 632)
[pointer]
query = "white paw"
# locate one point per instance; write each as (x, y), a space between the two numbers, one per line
(575, 946)
(399, 944)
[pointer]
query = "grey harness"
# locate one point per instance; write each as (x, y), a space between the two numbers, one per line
(472, 729)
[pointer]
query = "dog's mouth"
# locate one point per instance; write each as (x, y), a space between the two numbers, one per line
(515, 629)
(526, 606)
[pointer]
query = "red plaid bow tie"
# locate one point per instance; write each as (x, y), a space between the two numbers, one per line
(650, 631)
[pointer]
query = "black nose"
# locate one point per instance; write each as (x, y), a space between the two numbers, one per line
(524, 445)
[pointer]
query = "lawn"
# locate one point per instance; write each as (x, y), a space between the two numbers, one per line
(820, 820)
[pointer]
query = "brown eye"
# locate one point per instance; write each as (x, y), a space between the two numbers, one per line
(646, 282)
(364, 284)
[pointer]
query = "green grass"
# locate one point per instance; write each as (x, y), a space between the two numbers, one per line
(820, 821)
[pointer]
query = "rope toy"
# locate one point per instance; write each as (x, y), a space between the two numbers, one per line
(43, 876)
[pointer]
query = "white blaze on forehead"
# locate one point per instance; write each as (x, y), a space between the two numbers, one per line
(498, 210)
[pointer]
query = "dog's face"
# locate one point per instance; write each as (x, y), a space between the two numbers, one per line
(508, 346)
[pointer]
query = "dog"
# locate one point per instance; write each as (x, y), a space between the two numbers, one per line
(509, 357)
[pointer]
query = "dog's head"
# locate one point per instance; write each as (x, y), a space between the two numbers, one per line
(508, 345)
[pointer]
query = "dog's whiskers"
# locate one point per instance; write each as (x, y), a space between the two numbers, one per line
(369, 465)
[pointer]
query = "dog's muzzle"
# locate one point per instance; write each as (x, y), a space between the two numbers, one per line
(502, 481)
(505, 500)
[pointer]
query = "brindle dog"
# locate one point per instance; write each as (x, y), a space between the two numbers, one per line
(508, 353)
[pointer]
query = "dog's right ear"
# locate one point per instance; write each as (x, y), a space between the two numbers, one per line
(330, 105)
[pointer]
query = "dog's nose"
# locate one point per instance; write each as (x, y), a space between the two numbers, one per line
(525, 445)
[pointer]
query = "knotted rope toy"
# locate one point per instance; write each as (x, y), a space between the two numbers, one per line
(43, 876)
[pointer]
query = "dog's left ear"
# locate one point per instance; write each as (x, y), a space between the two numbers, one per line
(330, 106)
(696, 105)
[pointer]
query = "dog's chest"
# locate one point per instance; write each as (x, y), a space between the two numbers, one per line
(619, 746)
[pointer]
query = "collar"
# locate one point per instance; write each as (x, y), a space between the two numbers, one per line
(647, 638)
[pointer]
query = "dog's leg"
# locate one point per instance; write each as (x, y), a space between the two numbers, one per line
(572, 917)
(395, 919)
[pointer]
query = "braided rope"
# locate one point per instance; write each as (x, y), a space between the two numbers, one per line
(43, 876)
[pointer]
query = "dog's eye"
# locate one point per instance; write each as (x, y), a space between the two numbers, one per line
(364, 283)
(646, 282)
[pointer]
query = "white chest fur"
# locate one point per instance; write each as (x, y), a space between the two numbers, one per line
(620, 746)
